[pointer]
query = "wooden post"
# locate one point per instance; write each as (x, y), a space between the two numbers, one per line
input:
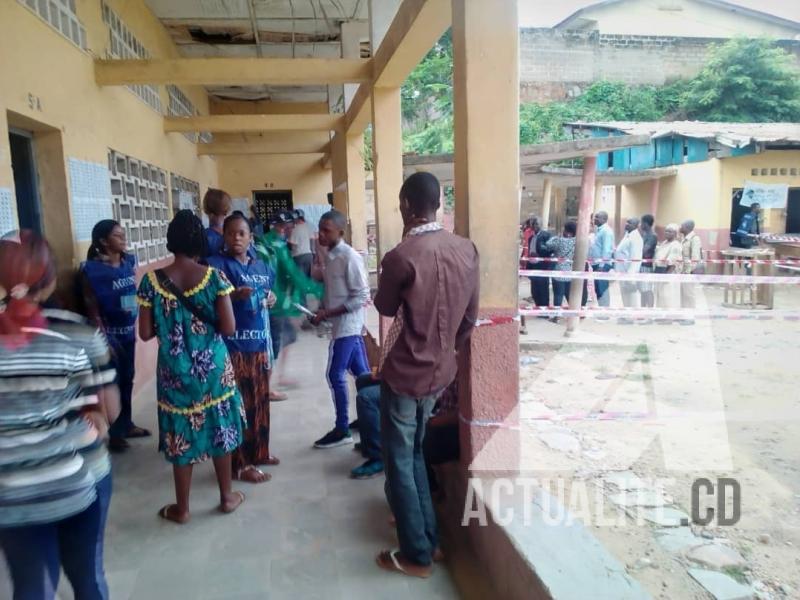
(546, 202)
(618, 211)
(588, 186)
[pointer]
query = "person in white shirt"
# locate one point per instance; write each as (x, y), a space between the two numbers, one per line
(300, 243)
(630, 250)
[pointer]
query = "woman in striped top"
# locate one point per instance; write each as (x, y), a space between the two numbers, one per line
(55, 400)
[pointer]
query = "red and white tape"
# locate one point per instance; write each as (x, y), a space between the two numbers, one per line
(664, 277)
(712, 261)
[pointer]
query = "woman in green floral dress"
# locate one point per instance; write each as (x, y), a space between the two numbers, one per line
(200, 412)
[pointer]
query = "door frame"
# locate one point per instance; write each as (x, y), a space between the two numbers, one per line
(34, 175)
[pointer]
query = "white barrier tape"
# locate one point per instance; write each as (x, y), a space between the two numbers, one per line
(663, 314)
(772, 238)
(493, 424)
(714, 261)
(664, 277)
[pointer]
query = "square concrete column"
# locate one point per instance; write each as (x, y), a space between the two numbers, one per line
(349, 182)
(486, 105)
(387, 165)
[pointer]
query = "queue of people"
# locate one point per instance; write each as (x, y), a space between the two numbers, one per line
(639, 251)
(66, 381)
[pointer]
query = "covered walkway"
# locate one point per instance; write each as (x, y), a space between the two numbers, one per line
(311, 532)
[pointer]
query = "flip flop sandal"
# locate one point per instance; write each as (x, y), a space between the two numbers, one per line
(164, 514)
(277, 397)
(250, 468)
(272, 461)
(230, 510)
(395, 565)
(137, 432)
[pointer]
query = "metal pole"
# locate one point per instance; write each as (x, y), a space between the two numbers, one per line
(582, 238)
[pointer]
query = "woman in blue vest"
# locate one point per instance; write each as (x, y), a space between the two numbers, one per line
(109, 278)
(250, 346)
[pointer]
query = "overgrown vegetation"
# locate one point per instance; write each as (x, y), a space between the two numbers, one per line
(745, 80)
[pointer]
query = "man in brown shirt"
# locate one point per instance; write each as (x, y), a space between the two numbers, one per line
(429, 283)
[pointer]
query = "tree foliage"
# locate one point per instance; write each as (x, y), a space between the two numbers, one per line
(746, 80)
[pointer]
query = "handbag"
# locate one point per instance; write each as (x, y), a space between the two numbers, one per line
(169, 285)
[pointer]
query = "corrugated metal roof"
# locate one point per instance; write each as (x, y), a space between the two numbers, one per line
(733, 135)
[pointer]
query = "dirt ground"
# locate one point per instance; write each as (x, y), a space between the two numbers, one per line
(673, 403)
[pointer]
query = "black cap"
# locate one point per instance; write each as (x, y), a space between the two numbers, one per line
(282, 217)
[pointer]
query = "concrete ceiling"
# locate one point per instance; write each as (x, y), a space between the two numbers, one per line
(285, 29)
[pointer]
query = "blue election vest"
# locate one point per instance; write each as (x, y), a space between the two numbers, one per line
(215, 242)
(252, 316)
(115, 290)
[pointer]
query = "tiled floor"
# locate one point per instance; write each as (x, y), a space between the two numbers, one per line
(311, 532)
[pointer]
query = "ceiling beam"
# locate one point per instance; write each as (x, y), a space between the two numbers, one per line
(244, 123)
(233, 71)
(266, 107)
(416, 27)
(273, 148)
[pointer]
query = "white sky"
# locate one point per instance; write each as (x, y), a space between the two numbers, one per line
(546, 13)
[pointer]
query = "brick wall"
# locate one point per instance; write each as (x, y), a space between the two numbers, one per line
(556, 65)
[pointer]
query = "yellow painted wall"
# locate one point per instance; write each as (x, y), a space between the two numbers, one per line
(691, 194)
(37, 60)
(685, 18)
(304, 174)
(309, 181)
(702, 191)
(735, 171)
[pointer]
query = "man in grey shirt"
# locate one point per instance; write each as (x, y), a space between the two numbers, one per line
(346, 295)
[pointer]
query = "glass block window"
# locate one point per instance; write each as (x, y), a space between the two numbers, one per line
(61, 16)
(139, 195)
(181, 106)
(185, 194)
(123, 44)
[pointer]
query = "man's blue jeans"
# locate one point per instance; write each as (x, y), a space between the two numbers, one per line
(403, 421)
(601, 286)
(35, 554)
(345, 354)
(368, 408)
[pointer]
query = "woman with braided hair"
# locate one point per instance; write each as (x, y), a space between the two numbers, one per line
(187, 306)
(108, 279)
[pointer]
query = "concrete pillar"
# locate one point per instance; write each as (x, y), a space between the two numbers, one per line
(588, 187)
(655, 193)
(381, 14)
(618, 211)
(353, 32)
(356, 192)
(546, 201)
(598, 196)
(387, 159)
(339, 173)
(485, 34)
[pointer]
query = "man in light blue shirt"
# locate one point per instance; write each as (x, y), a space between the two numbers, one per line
(600, 254)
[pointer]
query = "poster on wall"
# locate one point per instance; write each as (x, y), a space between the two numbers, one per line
(8, 219)
(767, 195)
(90, 188)
(185, 200)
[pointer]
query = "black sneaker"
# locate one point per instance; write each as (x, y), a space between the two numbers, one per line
(354, 424)
(334, 438)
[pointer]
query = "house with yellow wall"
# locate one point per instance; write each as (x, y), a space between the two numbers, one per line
(705, 168)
